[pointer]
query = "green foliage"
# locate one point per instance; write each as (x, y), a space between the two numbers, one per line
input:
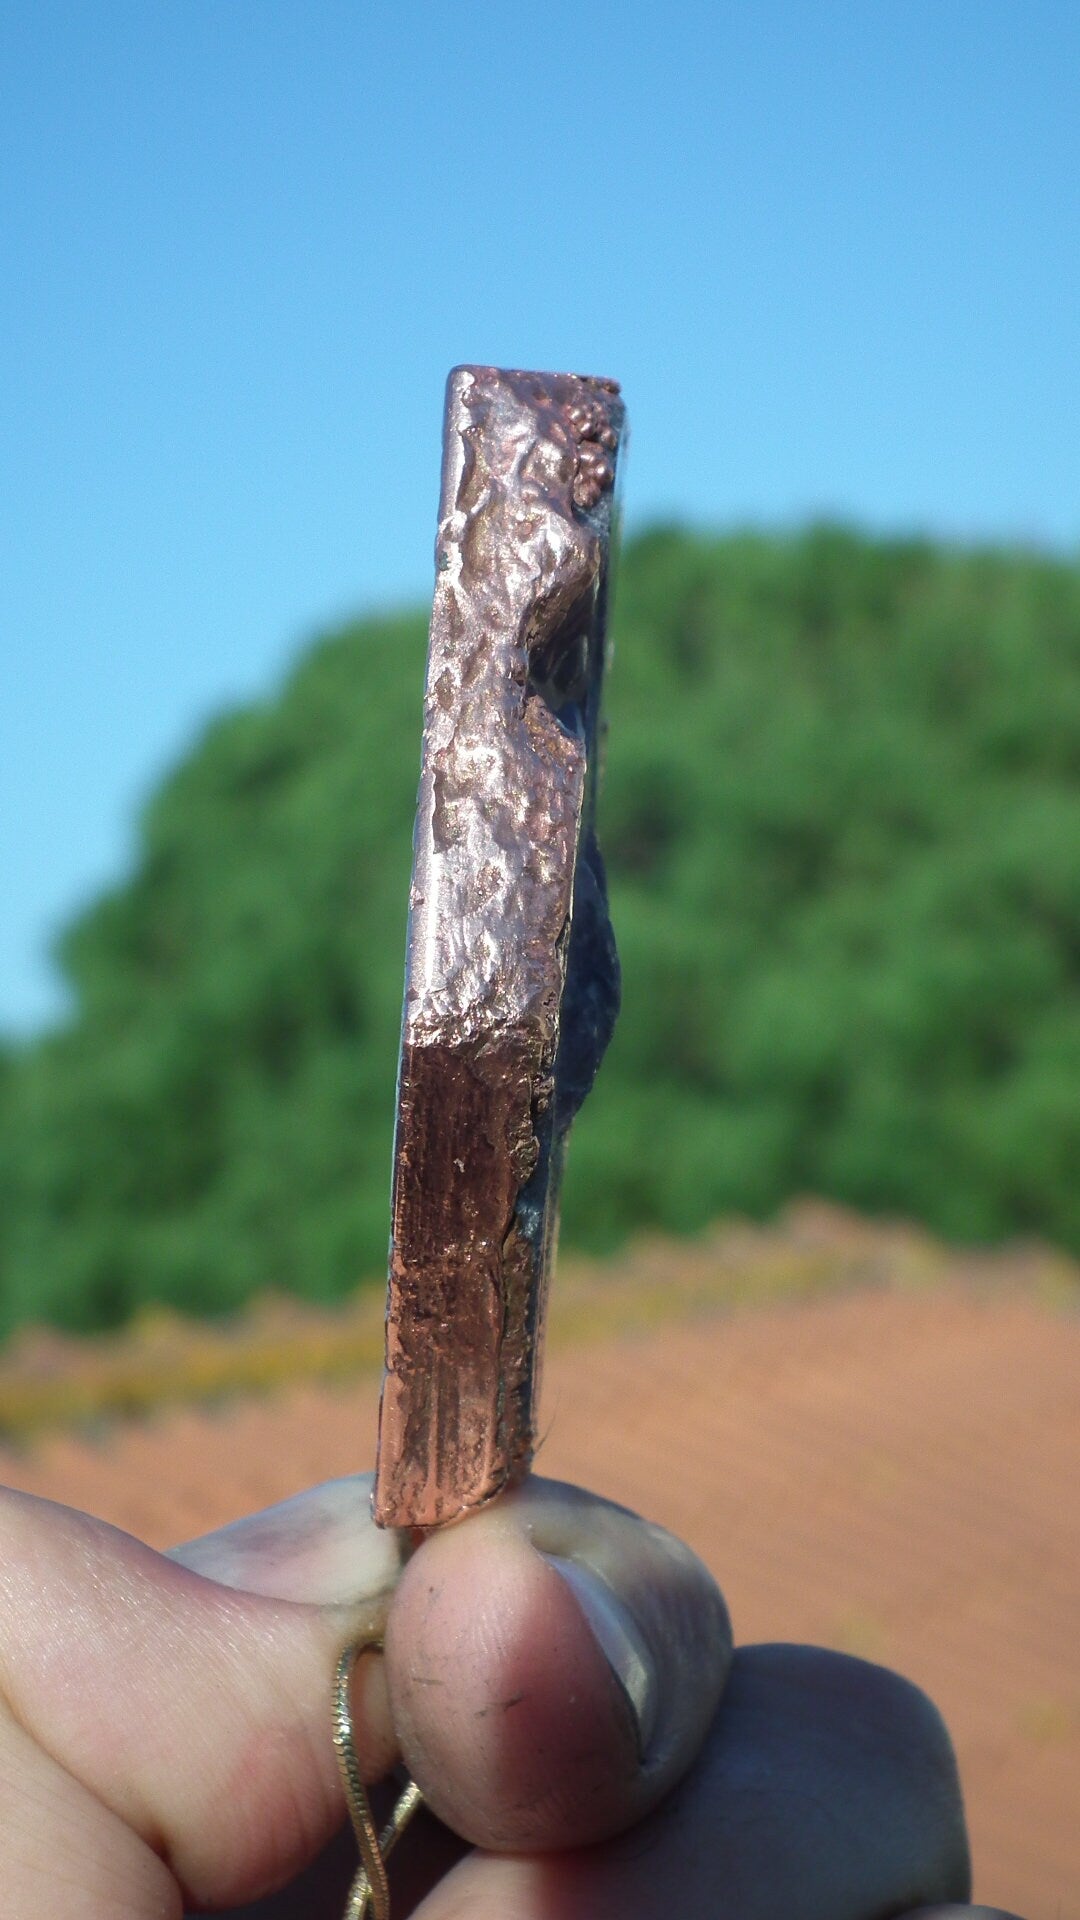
(216, 1119)
(842, 822)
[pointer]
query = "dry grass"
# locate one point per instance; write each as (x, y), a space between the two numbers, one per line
(52, 1381)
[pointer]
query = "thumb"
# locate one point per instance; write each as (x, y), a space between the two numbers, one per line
(153, 1714)
(554, 1663)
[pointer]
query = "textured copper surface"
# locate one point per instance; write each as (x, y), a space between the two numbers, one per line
(511, 984)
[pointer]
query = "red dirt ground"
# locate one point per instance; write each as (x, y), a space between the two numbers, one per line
(892, 1469)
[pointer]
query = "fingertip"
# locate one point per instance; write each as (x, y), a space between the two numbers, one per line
(320, 1547)
(553, 1666)
(508, 1715)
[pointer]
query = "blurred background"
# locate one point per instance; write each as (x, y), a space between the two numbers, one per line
(831, 255)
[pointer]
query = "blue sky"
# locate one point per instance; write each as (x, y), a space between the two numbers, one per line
(831, 251)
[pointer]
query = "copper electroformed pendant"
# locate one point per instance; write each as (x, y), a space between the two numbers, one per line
(511, 983)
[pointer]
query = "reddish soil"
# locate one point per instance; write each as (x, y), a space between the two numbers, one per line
(892, 1469)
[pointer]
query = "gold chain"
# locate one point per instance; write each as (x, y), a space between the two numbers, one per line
(370, 1890)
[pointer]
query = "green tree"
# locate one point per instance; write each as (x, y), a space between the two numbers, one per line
(842, 819)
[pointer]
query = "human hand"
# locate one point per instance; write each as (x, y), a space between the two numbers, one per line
(165, 1724)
